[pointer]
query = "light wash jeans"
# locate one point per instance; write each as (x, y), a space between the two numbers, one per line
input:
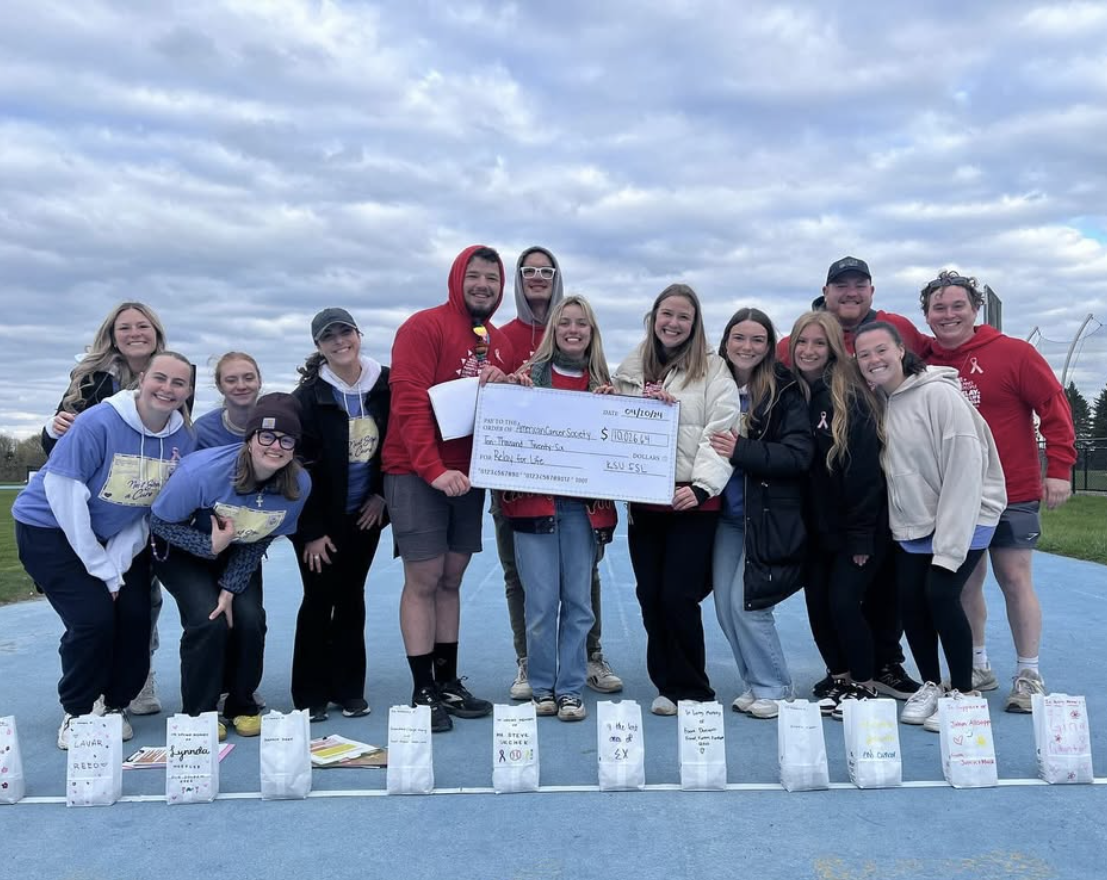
(556, 572)
(752, 634)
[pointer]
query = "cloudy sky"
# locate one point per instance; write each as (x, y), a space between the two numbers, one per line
(240, 164)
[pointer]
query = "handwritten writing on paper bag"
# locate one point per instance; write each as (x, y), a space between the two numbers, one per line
(967, 746)
(191, 765)
(570, 443)
(621, 752)
(410, 755)
(94, 763)
(514, 749)
(1062, 738)
(702, 746)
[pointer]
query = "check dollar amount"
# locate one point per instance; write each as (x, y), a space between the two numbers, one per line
(574, 443)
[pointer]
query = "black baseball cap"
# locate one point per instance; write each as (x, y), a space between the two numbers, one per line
(847, 264)
(326, 318)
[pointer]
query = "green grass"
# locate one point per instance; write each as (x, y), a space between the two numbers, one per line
(1079, 529)
(14, 583)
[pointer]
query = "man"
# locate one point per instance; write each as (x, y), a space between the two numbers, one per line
(436, 514)
(538, 288)
(848, 295)
(1008, 382)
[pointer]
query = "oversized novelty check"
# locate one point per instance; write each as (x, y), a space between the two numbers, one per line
(575, 443)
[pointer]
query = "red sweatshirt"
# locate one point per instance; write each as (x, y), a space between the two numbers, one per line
(432, 346)
(524, 338)
(1008, 381)
(915, 341)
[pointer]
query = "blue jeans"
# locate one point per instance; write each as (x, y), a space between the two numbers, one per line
(556, 571)
(752, 634)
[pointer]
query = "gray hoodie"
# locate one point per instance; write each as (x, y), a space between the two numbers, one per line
(943, 470)
(526, 331)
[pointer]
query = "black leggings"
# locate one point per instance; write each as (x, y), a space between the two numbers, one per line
(836, 587)
(930, 597)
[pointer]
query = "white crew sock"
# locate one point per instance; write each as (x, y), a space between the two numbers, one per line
(979, 656)
(1030, 663)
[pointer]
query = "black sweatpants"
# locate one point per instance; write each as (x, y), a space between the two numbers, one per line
(671, 557)
(328, 657)
(214, 656)
(106, 645)
(931, 601)
(836, 589)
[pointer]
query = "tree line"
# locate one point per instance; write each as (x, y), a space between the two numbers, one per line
(1090, 421)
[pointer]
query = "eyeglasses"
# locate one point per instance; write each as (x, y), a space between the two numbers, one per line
(268, 438)
(545, 272)
(950, 281)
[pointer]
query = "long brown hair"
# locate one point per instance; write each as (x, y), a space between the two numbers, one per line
(848, 391)
(763, 388)
(104, 356)
(690, 358)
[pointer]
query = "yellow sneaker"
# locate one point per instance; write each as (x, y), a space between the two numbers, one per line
(247, 725)
(222, 731)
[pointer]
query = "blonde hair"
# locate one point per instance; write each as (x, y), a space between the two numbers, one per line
(104, 356)
(597, 364)
(848, 391)
(177, 356)
(232, 356)
(690, 357)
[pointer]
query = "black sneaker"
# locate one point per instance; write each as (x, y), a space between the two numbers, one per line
(457, 700)
(853, 691)
(355, 708)
(829, 701)
(440, 721)
(823, 686)
(892, 680)
(317, 713)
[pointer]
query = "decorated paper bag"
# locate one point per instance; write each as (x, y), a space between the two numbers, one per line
(620, 747)
(12, 786)
(1062, 738)
(192, 759)
(410, 759)
(702, 746)
(94, 762)
(514, 749)
(285, 756)
(872, 743)
(801, 746)
(968, 748)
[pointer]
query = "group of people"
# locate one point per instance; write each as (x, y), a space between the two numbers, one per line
(868, 464)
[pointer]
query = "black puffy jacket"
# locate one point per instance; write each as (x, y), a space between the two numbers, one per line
(775, 458)
(847, 506)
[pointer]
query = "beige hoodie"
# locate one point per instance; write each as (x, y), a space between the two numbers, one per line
(944, 475)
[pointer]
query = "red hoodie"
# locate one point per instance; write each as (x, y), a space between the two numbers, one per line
(1008, 381)
(915, 341)
(524, 338)
(433, 346)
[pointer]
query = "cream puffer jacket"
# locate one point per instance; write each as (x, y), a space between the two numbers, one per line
(707, 406)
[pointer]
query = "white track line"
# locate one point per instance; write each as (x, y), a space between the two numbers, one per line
(376, 792)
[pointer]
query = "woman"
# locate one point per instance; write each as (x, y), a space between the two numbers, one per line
(214, 521)
(945, 495)
(847, 503)
(760, 541)
(120, 351)
(345, 398)
(238, 379)
(557, 539)
(122, 347)
(670, 545)
(81, 529)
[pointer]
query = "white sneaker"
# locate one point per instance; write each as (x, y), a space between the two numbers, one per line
(99, 707)
(931, 722)
(921, 704)
(601, 678)
(764, 709)
(663, 706)
(128, 731)
(743, 701)
(983, 679)
(147, 702)
(520, 688)
(63, 732)
(1024, 686)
